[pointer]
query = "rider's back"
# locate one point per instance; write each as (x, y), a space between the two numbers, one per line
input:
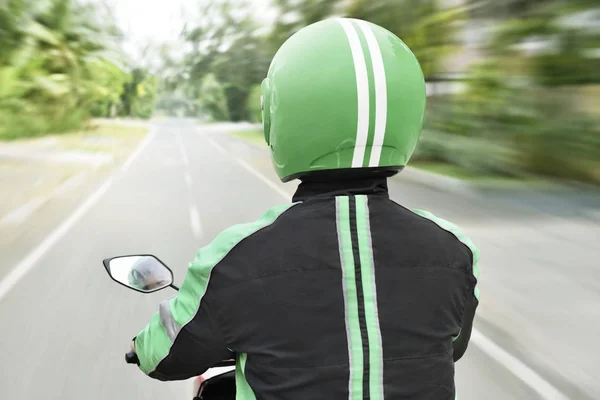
(344, 294)
(344, 291)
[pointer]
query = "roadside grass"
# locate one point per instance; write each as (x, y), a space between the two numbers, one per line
(116, 140)
(26, 178)
(458, 172)
(255, 137)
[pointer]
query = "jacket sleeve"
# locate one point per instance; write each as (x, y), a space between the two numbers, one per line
(167, 352)
(461, 342)
(184, 338)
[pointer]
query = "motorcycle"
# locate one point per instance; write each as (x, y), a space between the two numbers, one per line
(145, 273)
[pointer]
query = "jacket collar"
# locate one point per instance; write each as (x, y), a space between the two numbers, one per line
(310, 189)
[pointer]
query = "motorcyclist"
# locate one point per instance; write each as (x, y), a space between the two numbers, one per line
(343, 294)
(146, 274)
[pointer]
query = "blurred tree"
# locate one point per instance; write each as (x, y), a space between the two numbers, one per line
(59, 63)
(225, 44)
(293, 15)
(213, 98)
(547, 40)
(14, 14)
(254, 105)
(177, 104)
(427, 28)
(106, 88)
(520, 114)
(500, 10)
(139, 94)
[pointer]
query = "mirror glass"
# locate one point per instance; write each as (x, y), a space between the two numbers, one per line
(142, 273)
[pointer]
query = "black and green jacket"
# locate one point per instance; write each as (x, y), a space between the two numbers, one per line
(342, 295)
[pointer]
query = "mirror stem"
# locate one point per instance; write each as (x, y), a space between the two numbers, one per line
(174, 287)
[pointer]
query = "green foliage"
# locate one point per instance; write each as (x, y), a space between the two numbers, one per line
(294, 15)
(139, 94)
(494, 128)
(13, 14)
(565, 55)
(213, 99)
(58, 66)
(521, 113)
(254, 104)
(227, 59)
(229, 44)
(106, 89)
(426, 28)
(568, 64)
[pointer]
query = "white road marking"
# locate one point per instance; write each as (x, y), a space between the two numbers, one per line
(253, 171)
(141, 147)
(23, 212)
(30, 261)
(17, 273)
(26, 210)
(188, 179)
(516, 367)
(501, 356)
(266, 180)
(184, 156)
(70, 184)
(218, 147)
(194, 214)
(195, 221)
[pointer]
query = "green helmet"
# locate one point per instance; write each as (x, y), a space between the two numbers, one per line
(340, 94)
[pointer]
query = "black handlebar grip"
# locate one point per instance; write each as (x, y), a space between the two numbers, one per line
(132, 358)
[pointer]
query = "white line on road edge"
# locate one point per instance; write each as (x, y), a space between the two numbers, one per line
(218, 147)
(511, 363)
(141, 147)
(195, 221)
(254, 172)
(71, 183)
(516, 367)
(20, 214)
(26, 210)
(28, 263)
(266, 180)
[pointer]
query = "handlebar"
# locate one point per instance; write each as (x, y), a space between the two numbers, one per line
(132, 358)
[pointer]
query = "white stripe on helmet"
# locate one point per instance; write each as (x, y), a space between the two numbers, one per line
(380, 93)
(362, 86)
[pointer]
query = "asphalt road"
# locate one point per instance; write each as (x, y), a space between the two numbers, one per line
(65, 325)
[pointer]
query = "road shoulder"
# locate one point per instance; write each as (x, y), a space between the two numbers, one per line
(47, 178)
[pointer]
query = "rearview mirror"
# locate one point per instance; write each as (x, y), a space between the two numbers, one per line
(144, 273)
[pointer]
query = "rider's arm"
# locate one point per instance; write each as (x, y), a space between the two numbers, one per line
(168, 352)
(184, 339)
(461, 343)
